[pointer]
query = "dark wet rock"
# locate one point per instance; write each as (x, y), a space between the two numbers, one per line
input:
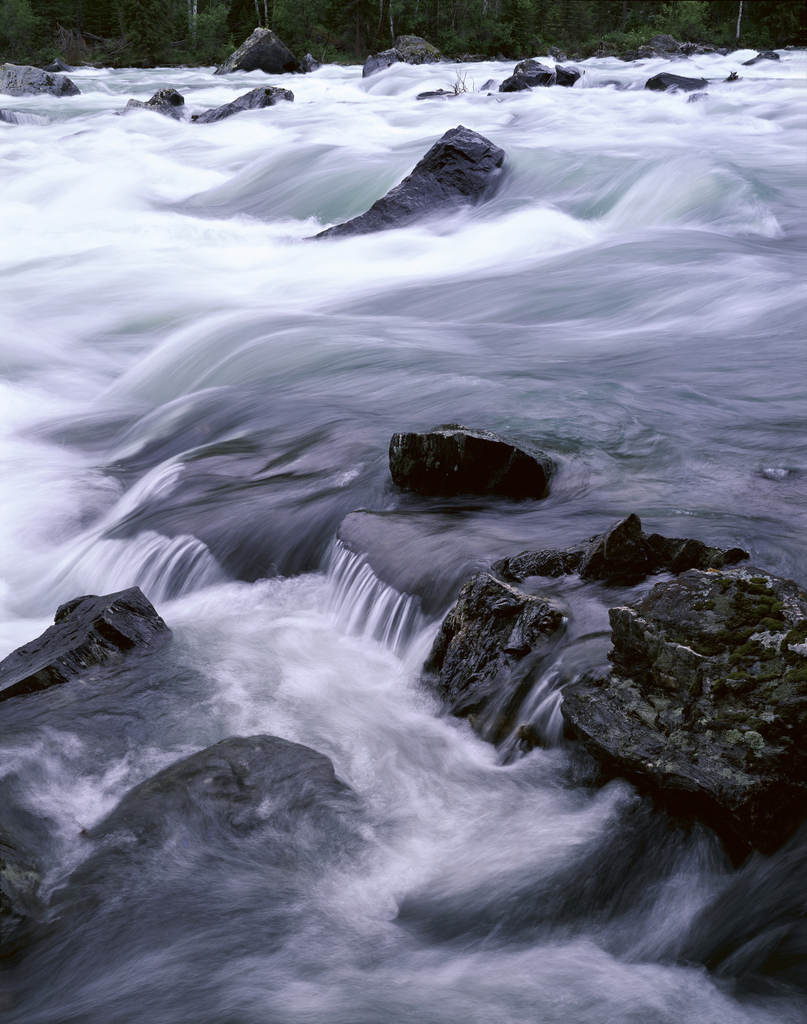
(529, 74)
(567, 76)
(707, 702)
(733, 77)
(88, 631)
(256, 99)
(262, 51)
(21, 80)
(415, 50)
(695, 49)
(58, 66)
(762, 55)
(459, 170)
(623, 553)
(756, 929)
(380, 62)
(309, 64)
(21, 908)
(165, 101)
(484, 642)
(490, 86)
(441, 94)
(667, 82)
(257, 795)
(453, 459)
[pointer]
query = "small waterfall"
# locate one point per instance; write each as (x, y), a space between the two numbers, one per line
(363, 605)
(17, 117)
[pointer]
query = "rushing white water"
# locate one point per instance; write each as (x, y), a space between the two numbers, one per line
(194, 396)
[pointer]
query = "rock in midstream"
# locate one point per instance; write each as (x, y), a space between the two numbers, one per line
(461, 169)
(707, 702)
(256, 99)
(165, 101)
(21, 80)
(262, 51)
(667, 82)
(88, 631)
(453, 459)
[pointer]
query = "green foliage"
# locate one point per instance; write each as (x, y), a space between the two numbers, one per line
(19, 27)
(213, 40)
(685, 19)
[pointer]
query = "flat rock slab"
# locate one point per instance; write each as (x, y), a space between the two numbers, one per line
(166, 101)
(667, 82)
(88, 631)
(707, 702)
(20, 80)
(454, 460)
(263, 96)
(262, 51)
(623, 553)
(459, 170)
(490, 630)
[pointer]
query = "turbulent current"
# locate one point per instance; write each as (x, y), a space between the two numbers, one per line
(194, 396)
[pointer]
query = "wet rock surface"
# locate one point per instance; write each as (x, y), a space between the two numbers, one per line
(262, 51)
(309, 64)
(380, 62)
(707, 702)
(485, 645)
(167, 101)
(256, 99)
(529, 74)
(459, 170)
(763, 55)
(667, 82)
(88, 631)
(21, 80)
(58, 66)
(460, 460)
(567, 76)
(622, 553)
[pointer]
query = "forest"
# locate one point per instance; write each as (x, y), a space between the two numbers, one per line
(150, 32)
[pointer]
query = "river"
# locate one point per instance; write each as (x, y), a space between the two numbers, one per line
(194, 396)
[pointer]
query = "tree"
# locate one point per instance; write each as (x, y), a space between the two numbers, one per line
(19, 26)
(147, 24)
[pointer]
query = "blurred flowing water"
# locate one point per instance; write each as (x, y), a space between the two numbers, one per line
(193, 398)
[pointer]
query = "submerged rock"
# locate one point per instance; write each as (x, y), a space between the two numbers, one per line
(88, 631)
(459, 460)
(380, 62)
(707, 702)
(622, 553)
(262, 51)
(263, 96)
(415, 50)
(667, 82)
(484, 640)
(762, 55)
(459, 170)
(165, 101)
(21, 80)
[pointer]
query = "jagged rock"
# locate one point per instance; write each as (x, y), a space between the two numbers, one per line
(58, 65)
(263, 96)
(380, 62)
(262, 51)
(622, 553)
(556, 54)
(529, 74)
(762, 55)
(567, 76)
(309, 64)
(165, 101)
(458, 460)
(459, 170)
(415, 50)
(88, 631)
(707, 702)
(666, 82)
(21, 80)
(484, 641)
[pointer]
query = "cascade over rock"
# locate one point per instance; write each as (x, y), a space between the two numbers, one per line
(88, 631)
(380, 62)
(453, 459)
(459, 170)
(707, 702)
(262, 51)
(762, 55)
(529, 74)
(667, 82)
(263, 96)
(21, 80)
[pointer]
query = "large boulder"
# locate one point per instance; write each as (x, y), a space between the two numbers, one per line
(707, 702)
(262, 51)
(459, 170)
(763, 55)
(415, 50)
(458, 460)
(623, 553)
(88, 631)
(20, 80)
(667, 82)
(665, 44)
(380, 62)
(263, 96)
(481, 653)
(567, 76)
(529, 74)
(165, 101)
